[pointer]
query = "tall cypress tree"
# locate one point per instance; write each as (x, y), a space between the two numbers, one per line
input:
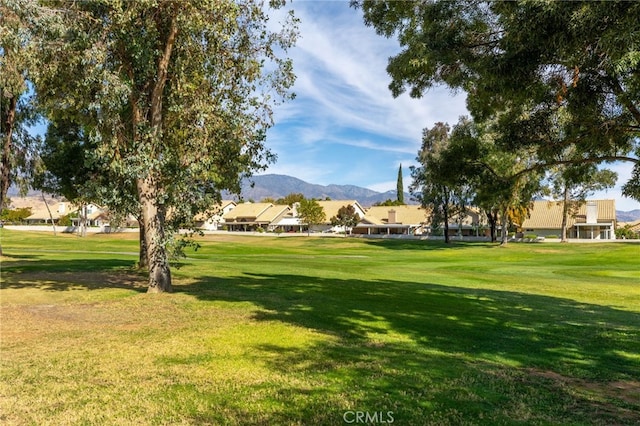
(400, 186)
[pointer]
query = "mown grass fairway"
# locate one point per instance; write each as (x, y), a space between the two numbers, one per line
(310, 331)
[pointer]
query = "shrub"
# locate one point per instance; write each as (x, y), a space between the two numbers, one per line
(626, 233)
(65, 220)
(15, 216)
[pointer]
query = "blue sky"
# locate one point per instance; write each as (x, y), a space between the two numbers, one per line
(344, 127)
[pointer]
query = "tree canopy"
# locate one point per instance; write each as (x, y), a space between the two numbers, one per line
(523, 62)
(17, 113)
(176, 96)
(311, 213)
(346, 218)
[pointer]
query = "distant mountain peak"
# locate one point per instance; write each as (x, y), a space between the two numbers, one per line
(278, 186)
(630, 216)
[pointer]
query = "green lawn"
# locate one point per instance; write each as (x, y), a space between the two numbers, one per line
(310, 331)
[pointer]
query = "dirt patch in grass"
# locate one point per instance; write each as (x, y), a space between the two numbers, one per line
(547, 251)
(36, 303)
(624, 390)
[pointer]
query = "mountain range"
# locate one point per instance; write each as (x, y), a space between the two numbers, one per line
(278, 186)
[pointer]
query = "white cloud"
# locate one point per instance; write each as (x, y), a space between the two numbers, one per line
(383, 186)
(341, 68)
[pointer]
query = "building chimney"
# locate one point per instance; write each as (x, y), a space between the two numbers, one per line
(592, 212)
(392, 216)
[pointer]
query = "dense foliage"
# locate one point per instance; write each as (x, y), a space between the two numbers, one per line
(311, 213)
(346, 218)
(558, 79)
(15, 215)
(176, 98)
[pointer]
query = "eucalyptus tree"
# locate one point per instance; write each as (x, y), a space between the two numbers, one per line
(17, 59)
(439, 183)
(177, 96)
(524, 61)
(64, 169)
(465, 166)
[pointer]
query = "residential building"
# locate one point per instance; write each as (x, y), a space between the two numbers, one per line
(393, 220)
(212, 220)
(593, 220)
(254, 216)
(415, 220)
(331, 208)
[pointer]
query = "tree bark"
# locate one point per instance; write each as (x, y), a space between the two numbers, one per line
(504, 232)
(565, 214)
(445, 213)
(153, 215)
(142, 261)
(153, 212)
(493, 221)
(50, 215)
(5, 174)
(83, 220)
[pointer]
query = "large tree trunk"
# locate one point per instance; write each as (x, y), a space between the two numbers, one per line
(83, 220)
(153, 212)
(504, 232)
(445, 213)
(153, 218)
(5, 174)
(50, 215)
(142, 261)
(565, 215)
(493, 222)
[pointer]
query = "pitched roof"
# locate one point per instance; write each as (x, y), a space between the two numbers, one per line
(547, 214)
(58, 209)
(246, 211)
(272, 213)
(214, 211)
(331, 207)
(405, 215)
(255, 212)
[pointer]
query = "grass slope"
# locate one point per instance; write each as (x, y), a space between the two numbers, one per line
(303, 330)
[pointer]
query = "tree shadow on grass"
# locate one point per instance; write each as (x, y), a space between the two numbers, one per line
(443, 354)
(62, 275)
